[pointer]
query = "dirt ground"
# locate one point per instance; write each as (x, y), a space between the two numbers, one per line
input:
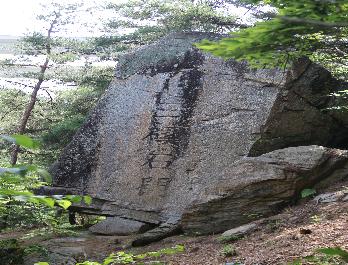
(296, 232)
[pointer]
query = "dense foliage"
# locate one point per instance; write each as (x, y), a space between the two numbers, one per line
(51, 118)
(317, 29)
(19, 206)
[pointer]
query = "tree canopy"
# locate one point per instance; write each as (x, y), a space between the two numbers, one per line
(314, 28)
(139, 22)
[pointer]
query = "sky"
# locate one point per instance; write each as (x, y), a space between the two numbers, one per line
(17, 17)
(14, 14)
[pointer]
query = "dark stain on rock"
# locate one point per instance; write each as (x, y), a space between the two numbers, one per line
(79, 154)
(167, 140)
(191, 84)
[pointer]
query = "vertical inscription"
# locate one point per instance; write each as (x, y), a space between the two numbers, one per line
(169, 129)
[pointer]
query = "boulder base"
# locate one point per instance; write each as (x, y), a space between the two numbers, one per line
(257, 187)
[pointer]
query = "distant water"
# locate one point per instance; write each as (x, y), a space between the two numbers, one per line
(12, 76)
(48, 88)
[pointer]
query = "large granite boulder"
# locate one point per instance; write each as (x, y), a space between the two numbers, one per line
(170, 137)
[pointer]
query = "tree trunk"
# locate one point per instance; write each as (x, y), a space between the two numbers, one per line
(29, 108)
(25, 118)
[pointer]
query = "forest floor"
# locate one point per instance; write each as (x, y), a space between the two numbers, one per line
(296, 232)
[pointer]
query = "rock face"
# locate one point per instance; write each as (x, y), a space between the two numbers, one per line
(169, 139)
(256, 187)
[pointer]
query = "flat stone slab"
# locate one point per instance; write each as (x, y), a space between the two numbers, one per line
(239, 231)
(331, 197)
(118, 226)
(157, 234)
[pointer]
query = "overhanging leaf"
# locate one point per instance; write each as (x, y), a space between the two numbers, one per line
(46, 201)
(87, 199)
(22, 140)
(74, 198)
(45, 175)
(8, 192)
(65, 204)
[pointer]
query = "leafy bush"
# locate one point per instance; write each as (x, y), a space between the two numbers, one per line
(308, 193)
(10, 252)
(36, 249)
(228, 239)
(19, 206)
(229, 251)
(331, 256)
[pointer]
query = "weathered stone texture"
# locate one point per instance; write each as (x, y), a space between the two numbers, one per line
(119, 226)
(256, 187)
(239, 231)
(176, 125)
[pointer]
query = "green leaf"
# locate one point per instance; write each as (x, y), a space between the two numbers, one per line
(110, 259)
(42, 263)
(9, 192)
(308, 192)
(33, 200)
(74, 198)
(89, 263)
(140, 256)
(22, 140)
(65, 204)
(155, 254)
(335, 252)
(180, 248)
(87, 199)
(45, 175)
(45, 200)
